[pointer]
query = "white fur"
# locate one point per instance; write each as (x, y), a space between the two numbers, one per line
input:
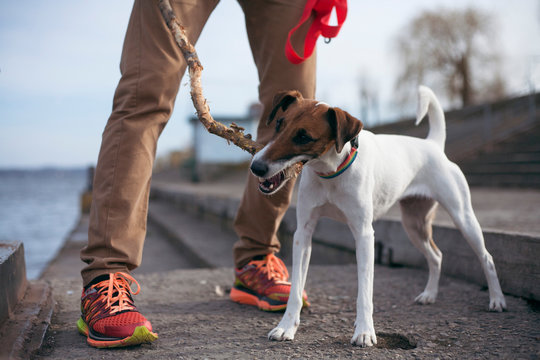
(322, 103)
(388, 168)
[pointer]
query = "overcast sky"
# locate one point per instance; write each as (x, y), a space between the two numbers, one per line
(59, 68)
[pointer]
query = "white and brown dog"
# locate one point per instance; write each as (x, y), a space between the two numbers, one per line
(354, 177)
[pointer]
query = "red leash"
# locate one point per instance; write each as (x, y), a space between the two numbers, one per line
(323, 10)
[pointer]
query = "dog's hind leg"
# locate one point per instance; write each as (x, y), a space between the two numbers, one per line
(457, 201)
(417, 215)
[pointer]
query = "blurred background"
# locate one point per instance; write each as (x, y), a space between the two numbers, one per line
(59, 69)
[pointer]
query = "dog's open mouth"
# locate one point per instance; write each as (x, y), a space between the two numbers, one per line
(273, 184)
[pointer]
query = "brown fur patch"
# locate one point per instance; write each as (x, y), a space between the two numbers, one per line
(433, 245)
(301, 117)
(324, 126)
(424, 210)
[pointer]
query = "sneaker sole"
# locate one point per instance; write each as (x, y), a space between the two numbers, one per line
(264, 304)
(247, 297)
(141, 335)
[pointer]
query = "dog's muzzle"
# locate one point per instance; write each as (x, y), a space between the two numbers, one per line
(269, 185)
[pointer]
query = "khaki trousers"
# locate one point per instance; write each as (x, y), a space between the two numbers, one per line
(152, 67)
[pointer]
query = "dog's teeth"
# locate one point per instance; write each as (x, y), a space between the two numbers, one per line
(271, 186)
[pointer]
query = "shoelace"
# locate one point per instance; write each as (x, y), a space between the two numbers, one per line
(117, 291)
(273, 267)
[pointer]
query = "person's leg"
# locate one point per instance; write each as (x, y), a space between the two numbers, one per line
(268, 24)
(261, 277)
(152, 67)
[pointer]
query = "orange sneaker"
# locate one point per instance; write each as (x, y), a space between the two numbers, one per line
(263, 283)
(109, 317)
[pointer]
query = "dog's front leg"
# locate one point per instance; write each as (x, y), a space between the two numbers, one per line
(364, 331)
(301, 255)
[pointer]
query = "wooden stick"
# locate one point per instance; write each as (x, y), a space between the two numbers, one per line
(234, 134)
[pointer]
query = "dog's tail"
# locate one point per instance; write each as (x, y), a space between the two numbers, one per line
(428, 104)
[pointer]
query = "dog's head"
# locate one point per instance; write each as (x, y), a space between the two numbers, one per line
(304, 130)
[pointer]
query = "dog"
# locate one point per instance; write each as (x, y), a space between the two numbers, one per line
(355, 176)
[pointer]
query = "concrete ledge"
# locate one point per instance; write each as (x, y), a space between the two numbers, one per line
(21, 336)
(516, 256)
(12, 277)
(193, 235)
(25, 307)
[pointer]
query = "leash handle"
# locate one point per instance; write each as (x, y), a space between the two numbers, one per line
(320, 26)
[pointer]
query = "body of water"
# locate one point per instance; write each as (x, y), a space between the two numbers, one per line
(39, 208)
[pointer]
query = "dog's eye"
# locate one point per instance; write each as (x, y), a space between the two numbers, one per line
(302, 138)
(278, 124)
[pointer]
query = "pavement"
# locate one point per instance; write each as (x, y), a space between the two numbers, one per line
(187, 272)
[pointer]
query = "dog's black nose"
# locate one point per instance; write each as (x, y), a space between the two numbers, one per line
(259, 168)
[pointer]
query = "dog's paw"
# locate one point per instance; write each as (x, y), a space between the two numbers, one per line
(364, 338)
(426, 298)
(497, 304)
(281, 334)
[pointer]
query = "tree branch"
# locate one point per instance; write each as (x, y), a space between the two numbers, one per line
(234, 134)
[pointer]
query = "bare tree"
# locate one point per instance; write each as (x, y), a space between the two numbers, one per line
(369, 100)
(452, 50)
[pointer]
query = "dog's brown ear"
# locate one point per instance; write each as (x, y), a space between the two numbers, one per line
(344, 126)
(282, 100)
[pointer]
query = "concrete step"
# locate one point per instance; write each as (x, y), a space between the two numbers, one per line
(523, 144)
(496, 168)
(522, 181)
(195, 229)
(470, 130)
(514, 162)
(194, 234)
(509, 157)
(12, 277)
(25, 307)
(22, 334)
(520, 143)
(515, 255)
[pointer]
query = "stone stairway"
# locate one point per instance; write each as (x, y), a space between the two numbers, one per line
(514, 162)
(495, 144)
